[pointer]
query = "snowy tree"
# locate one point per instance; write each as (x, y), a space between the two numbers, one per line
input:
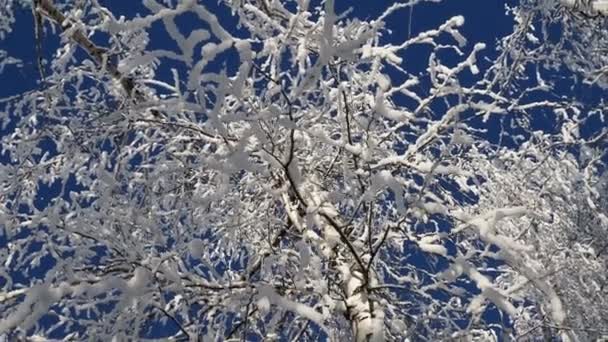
(288, 174)
(561, 34)
(568, 233)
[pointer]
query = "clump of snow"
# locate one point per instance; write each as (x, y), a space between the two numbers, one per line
(263, 304)
(601, 6)
(36, 303)
(384, 82)
(557, 310)
(304, 252)
(429, 244)
(381, 108)
(196, 248)
(138, 281)
(267, 296)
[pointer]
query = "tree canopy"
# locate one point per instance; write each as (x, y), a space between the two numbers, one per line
(287, 170)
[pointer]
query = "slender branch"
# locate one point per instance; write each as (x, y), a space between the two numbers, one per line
(172, 318)
(47, 8)
(184, 126)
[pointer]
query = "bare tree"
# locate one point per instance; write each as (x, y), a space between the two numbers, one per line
(289, 177)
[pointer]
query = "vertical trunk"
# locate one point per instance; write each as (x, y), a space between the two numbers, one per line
(367, 319)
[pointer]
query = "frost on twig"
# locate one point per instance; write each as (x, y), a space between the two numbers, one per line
(287, 174)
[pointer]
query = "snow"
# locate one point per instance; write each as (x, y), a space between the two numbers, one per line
(263, 305)
(486, 227)
(457, 21)
(454, 271)
(196, 248)
(331, 236)
(384, 81)
(461, 138)
(303, 5)
(220, 121)
(304, 252)
(369, 325)
(434, 208)
(428, 167)
(114, 26)
(138, 281)
(557, 310)
(476, 305)
(371, 329)
(245, 54)
(428, 244)
(267, 295)
(216, 28)
(600, 6)
(433, 248)
(36, 303)
(381, 108)
(326, 47)
(487, 291)
(368, 51)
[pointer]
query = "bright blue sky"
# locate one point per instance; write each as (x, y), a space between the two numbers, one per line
(485, 21)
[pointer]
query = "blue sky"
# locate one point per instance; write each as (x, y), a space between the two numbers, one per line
(485, 21)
